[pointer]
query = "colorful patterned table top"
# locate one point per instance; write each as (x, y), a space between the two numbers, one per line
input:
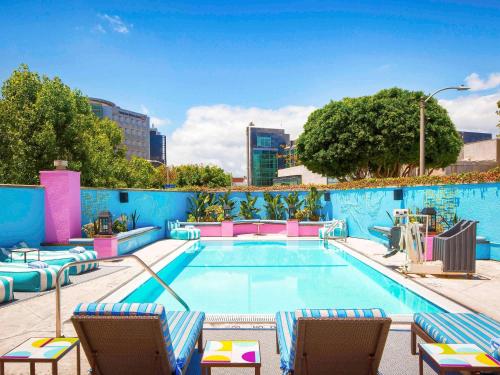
(459, 355)
(231, 352)
(42, 348)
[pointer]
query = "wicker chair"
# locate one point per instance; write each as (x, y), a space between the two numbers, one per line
(341, 342)
(135, 339)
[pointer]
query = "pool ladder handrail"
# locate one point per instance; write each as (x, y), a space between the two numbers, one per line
(331, 227)
(107, 259)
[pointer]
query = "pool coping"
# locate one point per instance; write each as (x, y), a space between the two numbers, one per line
(258, 319)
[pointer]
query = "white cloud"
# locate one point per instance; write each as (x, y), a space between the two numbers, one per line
(216, 134)
(474, 112)
(476, 83)
(115, 23)
(99, 29)
(157, 122)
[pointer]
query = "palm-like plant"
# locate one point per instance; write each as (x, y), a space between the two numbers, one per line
(247, 208)
(198, 205)
(224, 201)
(312, 203)
(274, 206)
(293, 203)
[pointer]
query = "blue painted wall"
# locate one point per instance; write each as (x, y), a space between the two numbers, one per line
(22, 215)
(153, 207)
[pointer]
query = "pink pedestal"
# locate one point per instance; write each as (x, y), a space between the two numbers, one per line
(292, 228)
(106, 246)
(63, 218)
(428, 254)
(227, 229)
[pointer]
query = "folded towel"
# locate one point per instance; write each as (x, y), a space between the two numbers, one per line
(495, 347)
(38, 264)
(77, 250)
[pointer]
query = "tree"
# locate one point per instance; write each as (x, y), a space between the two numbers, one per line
(42, 119)
(201, 175)
(376, 135)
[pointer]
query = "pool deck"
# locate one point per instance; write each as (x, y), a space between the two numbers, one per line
(35, 316)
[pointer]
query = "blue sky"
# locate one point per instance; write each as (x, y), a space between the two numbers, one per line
(215, 65)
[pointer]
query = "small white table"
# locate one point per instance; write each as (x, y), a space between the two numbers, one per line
(24, 251)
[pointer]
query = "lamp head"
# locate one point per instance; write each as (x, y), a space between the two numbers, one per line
(463, 88)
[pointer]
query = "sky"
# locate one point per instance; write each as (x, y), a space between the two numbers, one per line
(203, 70)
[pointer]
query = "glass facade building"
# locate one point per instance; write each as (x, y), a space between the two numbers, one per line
(157, 146)
(265, 154)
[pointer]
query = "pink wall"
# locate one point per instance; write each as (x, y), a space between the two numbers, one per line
(210, 230)
(106, 246)
(292, 228)
(63, 219)
(309, 230)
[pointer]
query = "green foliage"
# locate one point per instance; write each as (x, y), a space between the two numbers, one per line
(214, 213)
(248, 210)
(274, 206)
(134, 216)
(376, 135)
(201, 175)
(198, 205)
(313, 204)
(303, 214)
(293, 204)
(120, 224)
(89, 230)
(223, 200)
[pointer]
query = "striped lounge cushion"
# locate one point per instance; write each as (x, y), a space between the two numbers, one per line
(180, 329)
(28, 279)
(185, 233)
(185, 327)
(286, 327)
(6, 289)
(459, 328)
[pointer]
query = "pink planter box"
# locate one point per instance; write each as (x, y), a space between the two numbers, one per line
(429, 241)
(106, 246)
(309, 230)
(292, 228)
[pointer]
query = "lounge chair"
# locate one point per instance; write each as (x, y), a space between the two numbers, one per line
(334, 341)
(135, 338)
(455, 328)
(177, 232)
(53, 258)
(27, 279)
(6, 289)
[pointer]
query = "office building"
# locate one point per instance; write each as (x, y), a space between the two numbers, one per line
(265, 154)
(135, 126)
(157, 146)
(469, 137)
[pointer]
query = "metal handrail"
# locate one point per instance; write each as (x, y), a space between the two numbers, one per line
(120, 257)
(334, 225)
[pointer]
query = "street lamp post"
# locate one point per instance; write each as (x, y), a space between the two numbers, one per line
(423, 102)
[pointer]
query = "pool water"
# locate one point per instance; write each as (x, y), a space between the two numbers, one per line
(247, 277)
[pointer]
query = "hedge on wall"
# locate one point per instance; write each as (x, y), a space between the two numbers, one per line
(463, 178)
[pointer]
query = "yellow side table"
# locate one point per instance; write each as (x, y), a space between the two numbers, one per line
(42, 350)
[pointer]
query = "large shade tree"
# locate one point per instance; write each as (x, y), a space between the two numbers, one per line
(376, 135)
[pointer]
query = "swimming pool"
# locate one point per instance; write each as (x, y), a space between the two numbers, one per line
(262, 277)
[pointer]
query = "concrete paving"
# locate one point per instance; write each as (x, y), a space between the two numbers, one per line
(36, 316)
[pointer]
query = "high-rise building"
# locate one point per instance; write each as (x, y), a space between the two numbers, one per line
(265, 154)
(157, 146)
(135, 126)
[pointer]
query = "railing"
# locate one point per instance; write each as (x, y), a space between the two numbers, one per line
(135, 257)
(331, 228)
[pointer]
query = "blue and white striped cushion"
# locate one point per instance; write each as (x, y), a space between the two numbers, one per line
(340, 313)
(38, 280)
(286, 327)
(459, 328)
(185, 327)
(6, 289)
(132, 309)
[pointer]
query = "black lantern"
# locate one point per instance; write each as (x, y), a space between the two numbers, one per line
(291, 212)
(227, 211)
(431, 212)
(105, 222)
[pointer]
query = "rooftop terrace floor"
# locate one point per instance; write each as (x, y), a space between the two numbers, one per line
(35, 316)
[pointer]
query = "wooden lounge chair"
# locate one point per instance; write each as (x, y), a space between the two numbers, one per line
(455, 328)
(129, 339)
(340, 342)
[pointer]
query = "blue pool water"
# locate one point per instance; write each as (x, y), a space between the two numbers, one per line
(268, 276)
